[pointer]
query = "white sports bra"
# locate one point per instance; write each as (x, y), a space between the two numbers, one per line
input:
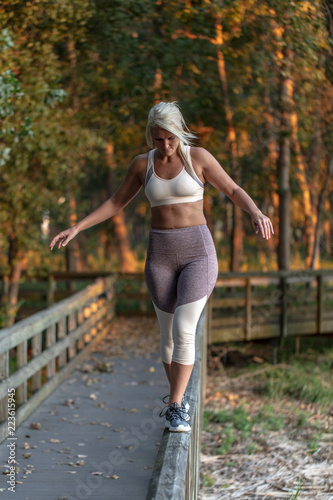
(184, 188)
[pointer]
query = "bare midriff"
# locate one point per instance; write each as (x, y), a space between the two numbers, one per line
(178, 215)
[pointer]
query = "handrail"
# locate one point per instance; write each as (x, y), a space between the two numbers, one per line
(176, 472)
(251, 306)
(49, 344)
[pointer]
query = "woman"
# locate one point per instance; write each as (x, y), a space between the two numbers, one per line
(181, 266)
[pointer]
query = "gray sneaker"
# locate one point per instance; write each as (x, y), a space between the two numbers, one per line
(174, 419)
(185, 406)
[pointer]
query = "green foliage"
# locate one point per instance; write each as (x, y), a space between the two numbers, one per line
(239, 424)
(304, 380)
(208, 480)
(42, 145)
(77, 74)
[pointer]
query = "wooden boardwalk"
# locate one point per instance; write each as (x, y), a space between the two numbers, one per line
(98, 438)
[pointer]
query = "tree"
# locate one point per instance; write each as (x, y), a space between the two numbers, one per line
(41, 144)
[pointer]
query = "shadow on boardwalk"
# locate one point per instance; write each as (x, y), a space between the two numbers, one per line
(97, 435)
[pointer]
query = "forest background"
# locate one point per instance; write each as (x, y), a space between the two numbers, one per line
(254, 80)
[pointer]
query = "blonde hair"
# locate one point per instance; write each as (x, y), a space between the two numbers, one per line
(167, 115)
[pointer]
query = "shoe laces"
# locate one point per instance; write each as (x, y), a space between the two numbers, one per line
(166, 400)
(173, 411)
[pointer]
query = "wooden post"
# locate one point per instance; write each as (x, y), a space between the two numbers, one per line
(248, 309)
(51, 288)
(71, 328)
(4, 373)
(22, 358)
(283, 314)
(320, 291)
(36, 349)
(143, 292)
(209, 319)
(297, 345)
(50, 341)
(61, 333)
(80, 320)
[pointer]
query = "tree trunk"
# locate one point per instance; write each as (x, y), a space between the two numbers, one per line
(72, 251)
(327, 230)
(73, 258)
(283, 163)
(10, 296)
(323, 193)
(128, 260)
(236, 252)
(269, 164)
(309, 212)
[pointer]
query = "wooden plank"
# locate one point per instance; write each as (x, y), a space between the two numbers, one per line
(228, 302)
(236, 334)
(327, 326)
(228, 322)
(22, 360)
(302, 328)
(229, 335)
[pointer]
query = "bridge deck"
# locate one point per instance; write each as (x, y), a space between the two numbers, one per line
(98, 437)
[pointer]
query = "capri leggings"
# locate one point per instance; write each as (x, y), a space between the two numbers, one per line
(181, 271)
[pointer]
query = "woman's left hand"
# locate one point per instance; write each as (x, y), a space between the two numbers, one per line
(262, 223)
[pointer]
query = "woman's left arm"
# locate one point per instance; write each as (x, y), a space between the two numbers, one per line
(218, 177)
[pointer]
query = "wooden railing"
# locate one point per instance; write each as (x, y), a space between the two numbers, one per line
(42, 291)
(176, 471)
(39, 352)
(248, 306)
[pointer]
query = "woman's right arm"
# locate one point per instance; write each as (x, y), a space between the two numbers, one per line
(130, 186)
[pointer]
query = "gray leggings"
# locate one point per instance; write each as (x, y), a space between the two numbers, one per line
(181, 271)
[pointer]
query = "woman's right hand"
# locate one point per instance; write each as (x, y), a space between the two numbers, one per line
(64, 237)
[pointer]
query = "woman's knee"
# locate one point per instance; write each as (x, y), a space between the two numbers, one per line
(184, 329)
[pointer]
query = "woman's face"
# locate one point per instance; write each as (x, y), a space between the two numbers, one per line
(165, 142)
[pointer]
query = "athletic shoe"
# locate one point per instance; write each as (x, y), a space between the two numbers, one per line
(185, 406)
(175, 419)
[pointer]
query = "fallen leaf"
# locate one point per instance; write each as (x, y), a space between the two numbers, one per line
(97, 473)
(87, 368)
(69, 402)
(104, 366)
(92, 396)
(26, 446)
(115, 477)
(35, 425)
